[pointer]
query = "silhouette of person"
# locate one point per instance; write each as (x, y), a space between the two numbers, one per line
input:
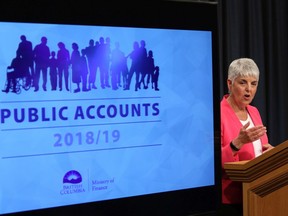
(155, 78)
(41, 57)
(104, 61)
(63, 58)
(142, 63)
(97, 58)
(25, 50)
(76, 68)
(135, 66)
(14, 71)
(107, 56)
(149, 68)
(90, 53)
(84, 70)
(101, 50)
(53, 71)
(117, 60)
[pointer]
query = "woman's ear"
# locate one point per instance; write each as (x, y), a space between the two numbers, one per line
(229, 85)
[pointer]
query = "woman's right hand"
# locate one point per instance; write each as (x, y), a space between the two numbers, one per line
(248, 135)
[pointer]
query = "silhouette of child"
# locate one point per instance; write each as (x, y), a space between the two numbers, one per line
(155, 78)
(53, 70)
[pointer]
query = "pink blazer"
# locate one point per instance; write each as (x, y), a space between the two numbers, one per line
(230, 127)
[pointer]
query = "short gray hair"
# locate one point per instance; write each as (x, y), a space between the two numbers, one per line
(243, 67)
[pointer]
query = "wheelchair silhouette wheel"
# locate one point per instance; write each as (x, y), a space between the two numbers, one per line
(18, 86)
(25, 85)
(21, 82)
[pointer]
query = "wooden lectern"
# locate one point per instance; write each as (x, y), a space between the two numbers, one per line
(265, 182)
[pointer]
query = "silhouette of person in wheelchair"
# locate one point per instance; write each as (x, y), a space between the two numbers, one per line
(16, 76)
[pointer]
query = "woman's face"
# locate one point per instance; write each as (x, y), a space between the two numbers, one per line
(243, 90)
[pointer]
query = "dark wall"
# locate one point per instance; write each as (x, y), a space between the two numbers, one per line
(259, 29)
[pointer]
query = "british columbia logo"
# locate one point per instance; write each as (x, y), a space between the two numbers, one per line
(72, 183)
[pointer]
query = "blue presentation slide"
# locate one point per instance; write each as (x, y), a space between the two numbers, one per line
(91, 113)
